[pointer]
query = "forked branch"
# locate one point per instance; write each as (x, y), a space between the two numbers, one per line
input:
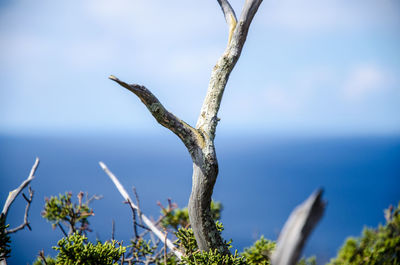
(297, 229)
(13, 194)
(200, 140)
(207, 121)
(26, 221)
(11, 198)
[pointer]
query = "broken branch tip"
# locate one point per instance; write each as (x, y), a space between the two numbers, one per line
(113, 78)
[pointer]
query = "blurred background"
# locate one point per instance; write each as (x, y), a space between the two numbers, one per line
(313, 102)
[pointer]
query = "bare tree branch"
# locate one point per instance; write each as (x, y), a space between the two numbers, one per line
(297, 229)
(112, 229)
(208, 119)
(165, 249)
(200, 140)
(41, 255)
(249, 10)
(11, 198)
(138, 204)
(205, 164)
(13, 194)
(26, 222)
(62, 229)
(230, 16)
(146, 220)
(189, 136)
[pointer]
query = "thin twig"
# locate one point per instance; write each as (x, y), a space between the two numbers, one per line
(62, 229)
(165, 249)
(112, 229)
(41, 255)
(123, 256)
(146, 220)
(94, 197)
(135, 224)
(138, 204)
(26, 222)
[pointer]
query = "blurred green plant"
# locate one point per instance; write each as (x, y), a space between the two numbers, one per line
(308, 261)
(75, 216)
(193, 256)
(174, 217)
(374, 246)
(141, 248)
(74, 250)
(260, 252)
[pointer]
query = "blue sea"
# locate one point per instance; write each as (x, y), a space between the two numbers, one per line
(261, 180)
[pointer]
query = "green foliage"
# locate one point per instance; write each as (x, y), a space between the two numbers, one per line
(260, 252)
(187, 242)
(375, 246)
(61, 209)
(175, 217)
(309, 261)
(49, 261)
(213, 257)
(74, 250)
(4, 239)
(142, 248)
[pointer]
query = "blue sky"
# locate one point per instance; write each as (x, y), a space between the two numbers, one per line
(313, 67)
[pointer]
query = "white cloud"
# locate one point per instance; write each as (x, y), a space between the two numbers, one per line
(284, 101)
(328, 15)
(364, 81)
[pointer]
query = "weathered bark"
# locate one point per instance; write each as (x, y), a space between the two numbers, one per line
(205, 166)
(200, 140)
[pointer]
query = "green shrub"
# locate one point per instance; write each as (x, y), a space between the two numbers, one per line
(375, 246)
(176, 218)
(61, 209)
(260, 252)
(74, 250)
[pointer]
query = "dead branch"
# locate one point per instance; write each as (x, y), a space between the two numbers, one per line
(189, 136)
(13, 194)
(42, 257)
(112, 229)
(26, 222)
(297, 229)
(11, 198)
(200, 140)
(146, 220)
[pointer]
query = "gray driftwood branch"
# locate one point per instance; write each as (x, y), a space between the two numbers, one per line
(11, 198)
(14, 193)
(200, 140)
(297, 229)
(26, 221)
(146, 220)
